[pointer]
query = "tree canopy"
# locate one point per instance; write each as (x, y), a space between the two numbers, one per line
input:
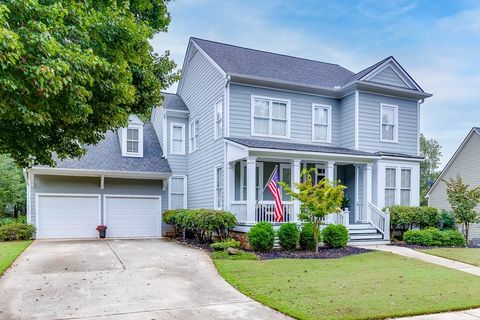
(430, 149)
(12, 185)
(72, 70)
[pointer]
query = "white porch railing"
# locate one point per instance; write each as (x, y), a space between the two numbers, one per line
(341, 217)
(239, 208)
(264, 211)
(380, 220)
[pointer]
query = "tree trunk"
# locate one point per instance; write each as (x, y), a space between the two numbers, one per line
(15, 211)
(316, 231)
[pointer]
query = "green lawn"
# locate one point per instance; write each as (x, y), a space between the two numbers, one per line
(9, 251)
(366, 286)
(467, 255)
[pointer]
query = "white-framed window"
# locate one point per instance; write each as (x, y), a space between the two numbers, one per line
(286, 177)
(388, 123)
(405, 186)
(194, 143)
(320, 173)
(390, 186)
(270, 117)
(133, 140)
(218, 195)
(178, 192)
(177, 138)
(321, 123)
(218, 109)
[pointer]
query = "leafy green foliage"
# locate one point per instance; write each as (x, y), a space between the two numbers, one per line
(16, 231)
(335, 236)
(261, 237)
(431, 151)
(241, 255)
(447, 220)
(12, 184)
(225, 244)
(288, 236)
(463, 201)
(434, 237)
(406, 218)
(203, 223)
(72, 70)
(9, 220)
(317, 200)
(307, 240)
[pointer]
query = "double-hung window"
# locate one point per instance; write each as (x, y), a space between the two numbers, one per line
(390, 186)
(194, 144)
(218, 119)
(177, 189)
(270, 117)
(218, 187)
(132, 140)
(389, 123)
(405, 187)
(321, 123)
(177, 138)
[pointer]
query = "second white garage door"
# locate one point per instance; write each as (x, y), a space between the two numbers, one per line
(132, 216)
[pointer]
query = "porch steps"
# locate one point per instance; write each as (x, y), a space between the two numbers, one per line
(364, 234)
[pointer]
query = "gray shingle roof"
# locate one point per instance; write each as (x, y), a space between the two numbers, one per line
(173, 102)
(107, 156)
(279, 145)
(365, 71)
(255, 63)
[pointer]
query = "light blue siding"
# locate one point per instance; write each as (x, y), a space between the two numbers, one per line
(178, 162)
(300, 113)
(158, 114)
(202, 85)
(388, 76)
(347, 121)
(369, 124)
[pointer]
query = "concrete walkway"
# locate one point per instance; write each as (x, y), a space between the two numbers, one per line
(121, 279)
(473, 314)
(407, 252)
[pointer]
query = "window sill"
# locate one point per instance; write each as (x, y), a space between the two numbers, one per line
(389, 141)
(270, 136)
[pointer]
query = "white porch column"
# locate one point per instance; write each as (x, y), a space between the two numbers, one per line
(330, 172)
(251, 189)
(295, 179)
(368, 188)
(230, 184)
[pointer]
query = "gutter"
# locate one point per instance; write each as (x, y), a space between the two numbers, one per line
(100, 173)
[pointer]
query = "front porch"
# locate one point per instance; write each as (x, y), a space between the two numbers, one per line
(247, 178)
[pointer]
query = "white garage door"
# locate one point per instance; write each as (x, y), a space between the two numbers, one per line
(67, 216)
(132, 216)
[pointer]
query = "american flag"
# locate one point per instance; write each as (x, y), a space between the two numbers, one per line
(274, 188)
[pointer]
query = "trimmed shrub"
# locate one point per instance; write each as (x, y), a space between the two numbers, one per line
(406, 218)
(307, 241)
(261, 237)
(434, 238)
(16, 231)
(446, 220)
(288, 236)
(225, 244)
(425, 217)
(335, 236)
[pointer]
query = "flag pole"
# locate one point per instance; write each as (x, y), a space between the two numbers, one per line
(266, 184)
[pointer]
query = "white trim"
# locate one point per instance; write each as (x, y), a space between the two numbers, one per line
(404, 189)
(215, 181)
(252, 116)
(334, 94)
(409, 82)
(216, 134)
(195, 123)
(165, 135)
(395, 122)
(123, 134)
(227, 108)
(329, 122)
(320, 166)
(357, 108)
(418, 128)
(80, 195)
(185, 190)
(296, 152)
(182, 125)
(159, 198)
(98, 173)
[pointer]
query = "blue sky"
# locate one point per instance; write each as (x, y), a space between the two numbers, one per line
(437, 42)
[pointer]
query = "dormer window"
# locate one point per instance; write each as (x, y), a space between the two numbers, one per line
(131, 138)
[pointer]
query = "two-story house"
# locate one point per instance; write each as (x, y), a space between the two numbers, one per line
(237, 114)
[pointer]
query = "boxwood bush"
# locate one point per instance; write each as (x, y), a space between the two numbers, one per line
(261, 237)
(202, 223)
(288, 236)
(406, 218)
(434, 237)
(335, 236)
(307, 241)
(16, 231)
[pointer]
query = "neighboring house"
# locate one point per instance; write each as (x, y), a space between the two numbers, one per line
(236, 115)
(464, 164)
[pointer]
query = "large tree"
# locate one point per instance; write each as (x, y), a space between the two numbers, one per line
(430, 149)
(72, 70)
(12, 186)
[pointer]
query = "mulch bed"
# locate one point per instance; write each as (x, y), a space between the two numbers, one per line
(323, 253)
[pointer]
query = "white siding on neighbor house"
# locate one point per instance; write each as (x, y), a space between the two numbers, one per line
(202, 85)
(388, 76)
(466, 165)
(300, 113)
(369, 124)
(347, 121)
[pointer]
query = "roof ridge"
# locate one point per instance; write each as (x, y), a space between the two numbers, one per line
(270, 52)
(375, 64)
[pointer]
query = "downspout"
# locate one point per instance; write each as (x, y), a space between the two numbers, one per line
(226, 131)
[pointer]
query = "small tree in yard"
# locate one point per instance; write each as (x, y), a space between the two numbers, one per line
(463, 202)
(317, 200)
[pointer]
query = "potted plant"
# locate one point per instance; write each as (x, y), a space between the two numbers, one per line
(102, 230)
(345, 203)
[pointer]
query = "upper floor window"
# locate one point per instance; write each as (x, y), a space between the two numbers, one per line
(270, 117)
(177, 138)
(132, 140)
(405, 187)
(194, 144)
(321, 123)
(389, 123)
(218, 119)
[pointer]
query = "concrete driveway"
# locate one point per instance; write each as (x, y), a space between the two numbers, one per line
(120, 279)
